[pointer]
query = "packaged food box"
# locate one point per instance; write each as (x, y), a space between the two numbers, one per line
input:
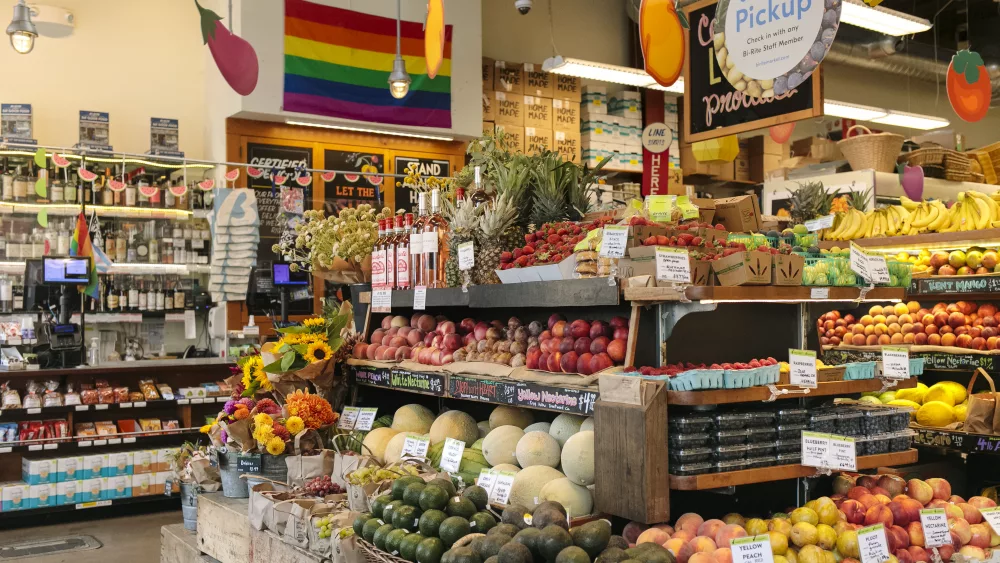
(144, 461)
(167, 484)
(164, 458)
(70, 469)
(14, 496)
(761, 434)
(93, 489)
(117, 487)
(68, 492)
(143, 484)
(727, 453)
(40, 496)
(690, 455)
(93, 466)
(119, 463)
(38, 471)
(685, 440)
(689, 423)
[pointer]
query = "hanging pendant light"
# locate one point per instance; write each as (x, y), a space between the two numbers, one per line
(21, 31)
(399, 79)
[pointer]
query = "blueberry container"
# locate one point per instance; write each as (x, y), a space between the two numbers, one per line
(879, 420)
(727, 466)
(789, 446)
(760, 418)
(791, 431)
(686, 456)
(900, 441)
(762, 434)
(789, 458)
(689, 423)
(691, 468)
(873, 445)
(849, 423)
(730, 420)
(823, 421)
(900, 420)
(728, 453)
(729, 437)
(762, 461)
(762, 449)
(792, 415)
(685, 440)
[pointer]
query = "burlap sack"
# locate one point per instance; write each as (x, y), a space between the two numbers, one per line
(983, 416)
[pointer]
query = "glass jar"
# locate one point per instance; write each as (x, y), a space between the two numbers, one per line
(70, 193)
(6, 294)
(7, 193)
(20, 188)
(37, 243)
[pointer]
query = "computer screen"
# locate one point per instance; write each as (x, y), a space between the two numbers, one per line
(65, 271)
(284, 276)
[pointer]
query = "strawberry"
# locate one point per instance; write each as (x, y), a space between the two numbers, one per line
(506, 256)
(562, 231)
(772, 360)
(556, 258)
(682, 227)
(528, 249)
(754, 364)
(696, 241)
(529, 238)
(553, 239)
(720, 227)
(727, 366)
(522, 261)
(715, 366)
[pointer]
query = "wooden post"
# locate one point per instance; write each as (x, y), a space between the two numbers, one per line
(633, 336)
(630, 459)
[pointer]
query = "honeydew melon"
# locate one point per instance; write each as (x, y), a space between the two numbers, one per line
(528, 485)
(500, 445)
(454, 424)
(413, 418)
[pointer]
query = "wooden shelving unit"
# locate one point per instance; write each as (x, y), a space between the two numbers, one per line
(755, 394)
(762, 293)
(929, 240)
(779, 472)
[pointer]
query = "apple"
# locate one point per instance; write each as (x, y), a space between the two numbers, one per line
(920, 491)
(480, 330)
(446, 327)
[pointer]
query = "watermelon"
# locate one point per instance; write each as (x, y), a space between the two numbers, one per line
(279, 179)
(254, 172)
(304, 180)
(86, 175)
(115, 185)
(206, 184)
(178, 190)
(374, 180)
(60, 161)
(148, 191)
(352, 177)
(328, 176)
(233, 174)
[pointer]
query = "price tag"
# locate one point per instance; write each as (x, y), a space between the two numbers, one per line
(878, 269)
(501, 487)
(348, 418)
(100, 442)
(859, 261)
(872, 544)
(128, 440)
(6, 450)
(197, 400)
(366, 418)
(124, 405)
(381, 300)
(249, 463)
(100, 407)
(141, 404)
(815, 449)
(992, 517)
(821, 223)
(82, 408)
(50, 447)
(752, 549)
(843, 453)
(420, 298)
(84, 444)
(114, 441)
(487, 478)
(183, 401)
(613, 241)
(673, 264)
(451, 456)
(935, 524)
(819, 293)
(416, 447)
(802, 364)
(660, 207)
(35, 411)
(895, 362)
(35, 448)
(466, 256)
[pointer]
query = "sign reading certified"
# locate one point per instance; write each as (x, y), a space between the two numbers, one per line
(767, 47)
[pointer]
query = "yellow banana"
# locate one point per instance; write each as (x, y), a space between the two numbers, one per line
(869, 225)
(928, 215)
(992, 206)
(943, 217)
(857, 226)
(908, 203)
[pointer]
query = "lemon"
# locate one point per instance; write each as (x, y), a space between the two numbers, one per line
(936, 414)
(869, 401)
(960, 412)
(940, 393)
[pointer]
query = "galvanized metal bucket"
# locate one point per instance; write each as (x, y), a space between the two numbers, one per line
(189, 505)
(232, 465)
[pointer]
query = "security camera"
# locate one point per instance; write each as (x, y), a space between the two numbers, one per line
(523, 6)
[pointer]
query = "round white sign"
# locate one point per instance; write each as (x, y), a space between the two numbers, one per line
(656, 137)
(765, 48)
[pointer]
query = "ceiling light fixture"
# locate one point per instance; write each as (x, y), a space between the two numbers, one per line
(911, 120)
(21, 31)
(365, 130)
(399, 79)
(882, 20)
(851, 111)
(607, 73)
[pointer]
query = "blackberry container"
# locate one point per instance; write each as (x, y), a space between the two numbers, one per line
(685, 456)
(790, 458)
(900, 441)
(792, 416)
(689, 423)
(849, 423)
(762, 449)
(873, 445)
(791, 431)
(691, 468)
(682, 440)
(762, 434)
(730, 420)
(729, 437)
(729, 453)
(879, 420)
(760, 418)
(731, 465)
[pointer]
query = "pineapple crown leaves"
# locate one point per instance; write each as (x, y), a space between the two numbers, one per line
(859, 200)
(462, 216)
(498, 217)
(811, 200)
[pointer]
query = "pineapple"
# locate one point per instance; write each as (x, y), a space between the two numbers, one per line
(549, 204)
(496, 220)
(811, 200)
(463, 219)
(859, 200)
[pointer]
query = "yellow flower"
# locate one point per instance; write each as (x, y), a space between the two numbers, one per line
(317, 352)
(205, 429)
(275, 446)
(294, 425)
(314, 322)
(290, 339)
(311, 338)
(263, 419)
(264, 383)
(263, 433)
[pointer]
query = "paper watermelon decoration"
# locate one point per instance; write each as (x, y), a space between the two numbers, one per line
(352, 177)
(148, 191)
(233, 174)
(206, 184)
(179, 190)
(254, 172)
(279, 179)
(374, 180)
(60, 161)
(86, 175)
(115, 185)
(304, 180)
(328, 176)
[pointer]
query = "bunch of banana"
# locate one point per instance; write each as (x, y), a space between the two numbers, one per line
(887, 221)
(925, 216)
(848, 225)
(980, 210)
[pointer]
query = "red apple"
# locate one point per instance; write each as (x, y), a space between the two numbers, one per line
(446, 327)
(480, 330)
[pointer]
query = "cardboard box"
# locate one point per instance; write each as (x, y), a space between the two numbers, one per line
(116, 487)
(38, 471)
(489, 105)
(515, 136)
(143, 461)
(14, 496)
(119, 463)
(40, 496)
(706, 209)
(537, 112)
(537, 82)
(633, 267)
(489, 127)
(567, 145)
(595, 99)
(692, 166)
(675, 183)
(508, 77)
(93, 490)
(508, 109)
(744, 268)
(143, 484)
(93, 466)
(566, 116)
(537, 140)
(567, 88)
(70, 469)
(777, 149)
(787, 269)
(565, 270)
(69, 492)
(488, 73)
(742, 166)
(819, 148)
(740, 214)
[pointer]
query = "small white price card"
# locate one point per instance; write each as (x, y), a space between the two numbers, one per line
(872, 544)
(501, 487)
(466, 256)
(859, 261)
(824, 222)
(34, 411)
(451, 456)
(673, 264)
(819, 293)
(842, 454)
(80, 408)
(613, 241)
(752, 549)
(416, 447)
(815, 449)
(381, 300)
(487, 478)
(420, 298)
(992, 517)
(802, 364)
(935, 524)
(366, 418)
(878, 269)
(348, 418)
(895, 362)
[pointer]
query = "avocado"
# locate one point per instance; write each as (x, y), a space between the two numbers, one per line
(393, 540)
(359, 523)
(430, 521)
(399, 485)
(408, 546)
(445, 484)
(572, 554)
(593, 536)
(458, 506)
(491, 559)
(612, 555)
(464, 554)
(551, 504)
(553, 540)
(406, 517)
(618, 541)
(505, 529)
(477, 495)
(411, 495)
(489, 546)
(514, 514)
(548, 516)
(813, 250)
(482, 522)
(433, 497)
(530, 538)
(514, 552)
(453, 529)
(379, 538)
(430, 550)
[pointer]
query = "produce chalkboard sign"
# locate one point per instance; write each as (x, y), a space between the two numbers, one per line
(957, 284)
(248, 463)
(714, 108)
(576, 401)
(427, 383)
(406, 197)
(372, 376)
(362, 184)
(475, 389)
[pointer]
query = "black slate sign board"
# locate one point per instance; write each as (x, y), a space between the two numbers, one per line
(406, 197)
(248, 463)
(351, 190)
(475, 389)
(429, 383)
(372, 376)
(932, 360)
(957, 284)
(714, 108)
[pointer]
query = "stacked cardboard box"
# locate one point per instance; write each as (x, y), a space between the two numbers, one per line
(766, 158)
(611, 129)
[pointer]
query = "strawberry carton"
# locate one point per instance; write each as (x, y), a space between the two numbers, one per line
(786, 269)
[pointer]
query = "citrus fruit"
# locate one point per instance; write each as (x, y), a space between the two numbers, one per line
(936, 414)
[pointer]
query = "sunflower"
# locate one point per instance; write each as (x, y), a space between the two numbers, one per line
(275, 446)
(294, 425)
(205, 429)
(317, 352)
(314, 322)
(310, 338)
(260, 377)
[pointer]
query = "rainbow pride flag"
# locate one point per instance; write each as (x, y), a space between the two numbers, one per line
(337, 64)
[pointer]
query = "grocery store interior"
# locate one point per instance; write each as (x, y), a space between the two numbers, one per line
(675, 281)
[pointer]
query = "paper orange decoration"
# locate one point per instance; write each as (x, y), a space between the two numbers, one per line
(661, 34)
(434, 37)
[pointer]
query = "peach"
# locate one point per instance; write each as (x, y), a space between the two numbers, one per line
(973, 552)
(568, 362)
(632, 530)
(703, 544)
(953, 511)
(689, 522)
(934, 340)
(359, 350)
(955, 499)
(946, 551)
(882, 499)
(683, 535)
(920, 338)
(854, 511)
(982, 502)
(674, 545)
(956, 320)
(869, 501)
(900, 516)
(878, 514)
(916, 532)
(685, 552)
(920, 491)
(402, 353)
(980, 535)
(898, 538)
(665, 527)
(728, 533)
(903, 556)
(960, 529)
(710, 528)
(616, 349)
(858, 492)
(918, 553)
(970, 513)
(701, 557)
(723, 555)
(653, 535)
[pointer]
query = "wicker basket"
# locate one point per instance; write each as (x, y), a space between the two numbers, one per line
(376, 555)
(989, 160)
(920, 157)
(877, 151)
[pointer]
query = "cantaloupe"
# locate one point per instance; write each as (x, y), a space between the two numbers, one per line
(538, 427)
(578, 458)
(376, 442)
(537, 448)
(500, 445)
(477, 445)
(564, 426)
(456, 425)
(528, 484)
(507, 467)
(512, 416)
(577, 500)
(484, 428)
(413, 418)
(588, 424)
(394, 449)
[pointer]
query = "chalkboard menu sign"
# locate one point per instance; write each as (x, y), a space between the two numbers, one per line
(350, 190)
(955, 284)
(406, 197)
(714, 108)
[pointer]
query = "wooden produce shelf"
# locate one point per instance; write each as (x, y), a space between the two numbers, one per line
(589, 292)
(762, 293)
(779, 472)
(762, 393)
(985, 286)
(935, 357)
(930, 241)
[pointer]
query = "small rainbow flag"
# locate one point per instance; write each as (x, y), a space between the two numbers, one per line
(337, 64)
(80, 245)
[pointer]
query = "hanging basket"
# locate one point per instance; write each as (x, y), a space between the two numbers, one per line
(877, 151)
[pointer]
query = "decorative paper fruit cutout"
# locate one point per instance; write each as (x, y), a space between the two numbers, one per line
(304, 180)
(374, 180)
(781, 133)
(434, 37)
(40, 157)
(235, 57)
(60, 161)
(86, 175)
(233, 174)
(873, 3)
(179, 190)
(206, 184)
(254, 172)
(279, 179)
(723, 149)
(968, 85)
(115, 185)
(328, 176)
(352, 177)
(912, 180)
(148, 191)
(661, 34)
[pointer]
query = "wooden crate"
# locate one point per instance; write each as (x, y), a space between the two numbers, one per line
(178, 545)
(223, 528)
(267, 547)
